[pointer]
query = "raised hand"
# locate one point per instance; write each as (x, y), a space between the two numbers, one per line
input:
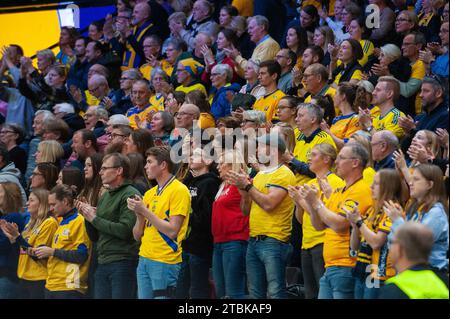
(325, 186)
(443, 137)
(399, 158)
(365, 118)
(393, 210)
(407, 123)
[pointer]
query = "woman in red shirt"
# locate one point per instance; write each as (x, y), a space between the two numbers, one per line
(230, 232)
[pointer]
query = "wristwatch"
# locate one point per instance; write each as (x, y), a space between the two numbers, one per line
(359, 223)
(369, 129)
(248, 187)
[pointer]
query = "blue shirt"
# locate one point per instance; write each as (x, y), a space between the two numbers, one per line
(436, 220)
(9, 253)
(440, 65)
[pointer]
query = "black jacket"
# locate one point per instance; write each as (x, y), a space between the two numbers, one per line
(203, 189)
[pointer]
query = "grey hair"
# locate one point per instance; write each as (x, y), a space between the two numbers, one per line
(391, 51)
(99, 79)
(359, 152)
(313, 110)
(224, 69)
(261, 21)
(64, 107)
(100, 112)
(168, 120)
(46, 115)
(258, 116)
(159, 71)
(178, 17)
(389, 138)
(48, 54)
(134, 74)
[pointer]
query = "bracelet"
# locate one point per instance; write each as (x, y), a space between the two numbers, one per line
(248, 187)
(359, 223)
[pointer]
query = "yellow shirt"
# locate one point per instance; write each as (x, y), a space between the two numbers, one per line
(141, 113)
(375, 111)
(389, 122)
(311, 236)
(336, 249)
(173, 199)
(277, 223)
(344, 126)
(157, 102)
(146, 69)
(196, 86)
(384, 268)
(326, 90)
(244, 7)
(418, 71)
(206, 120)
(90, 99)
(356, 75)
(368, 175)
(268, 104)
(368, 48)
(34, 269)
(63, 276)
(304, 146)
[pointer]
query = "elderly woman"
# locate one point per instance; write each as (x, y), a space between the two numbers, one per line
(251, 75)
(160, 82)
(162, 125)
(221, 76)
(391, 57)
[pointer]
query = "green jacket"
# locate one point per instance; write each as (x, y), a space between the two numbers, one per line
(112, 229)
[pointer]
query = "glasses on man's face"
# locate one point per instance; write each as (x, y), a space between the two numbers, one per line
(124, 79)
(184, 114)
(94, 90)
(104, 168)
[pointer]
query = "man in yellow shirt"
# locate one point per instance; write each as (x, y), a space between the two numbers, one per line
(271, 210)
(309, 117)
(315, 79)
(385, 93)
(161, 226)
(269, 73)
(141, 95)
(188, 72)
(338, 282)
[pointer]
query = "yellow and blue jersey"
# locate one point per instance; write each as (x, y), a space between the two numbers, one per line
(268, 104)
(70, 235)
(30, 268)
(344, 126)
(141, 113)
(172, 199)
(390, 122)
(131, 60)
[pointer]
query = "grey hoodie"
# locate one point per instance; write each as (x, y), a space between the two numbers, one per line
(10, 173)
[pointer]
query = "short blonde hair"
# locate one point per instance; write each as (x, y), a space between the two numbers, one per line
(51, 151)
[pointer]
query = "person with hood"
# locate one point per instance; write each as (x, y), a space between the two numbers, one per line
(66, 112)
(188, 72)
(221, 76)
(203, 185)
(9, 172)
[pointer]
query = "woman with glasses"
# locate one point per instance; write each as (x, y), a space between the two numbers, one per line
(222, 89)
(405, 23)
(45, 176)
(12, 135)
(173, 102)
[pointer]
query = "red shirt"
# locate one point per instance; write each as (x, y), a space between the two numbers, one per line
(228, 221)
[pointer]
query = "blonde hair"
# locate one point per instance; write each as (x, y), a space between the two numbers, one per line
(327, 150)
(51, 151)
(433, 142)
(235, 159)
(288, 135)
(43, 211)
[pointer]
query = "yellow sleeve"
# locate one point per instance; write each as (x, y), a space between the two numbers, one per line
(244, 7)
(418, 70)
(368, 48)
(181, 203)
(385, 224)
(357, 75)
(281, 180)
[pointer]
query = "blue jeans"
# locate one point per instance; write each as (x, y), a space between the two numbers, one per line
(9, 289)
(337, 283)
(229, 269)
(156, 279)
(116, 280)
(362, 291)
(71, 294)
(266, 268)
(193, 280)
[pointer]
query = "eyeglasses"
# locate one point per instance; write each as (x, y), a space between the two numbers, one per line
(104, 168)
(94, 90)
(215, 74)
(183, 114)
(114, 135)
(6, 132)
(124, 79)
(36, 174)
